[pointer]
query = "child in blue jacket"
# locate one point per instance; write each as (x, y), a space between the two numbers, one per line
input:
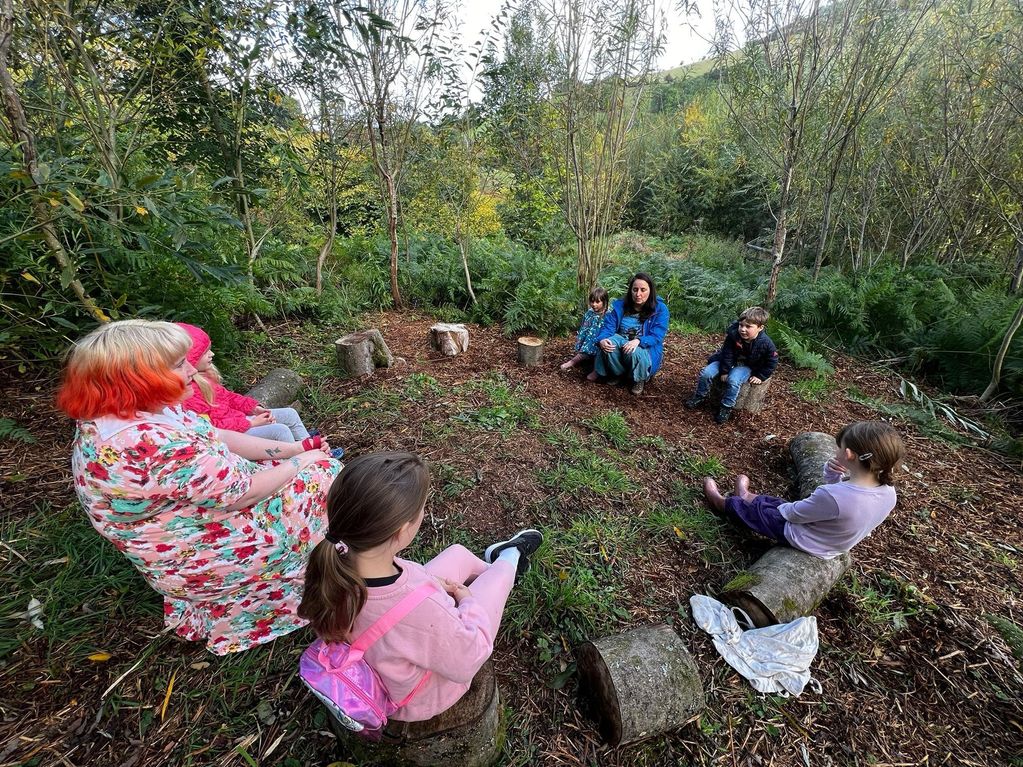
(631, 341)
(748, 354)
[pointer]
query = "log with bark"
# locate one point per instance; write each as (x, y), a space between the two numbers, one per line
(787, 583)
(449, 339)
(530, 351)
(359, 354)
(752, 397)
(471, 733)
(639, 684)
(278, 388)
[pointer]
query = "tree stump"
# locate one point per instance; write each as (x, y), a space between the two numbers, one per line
(470, 733)
(639, 684)
(530, 351)
(277, 388)
(751, 396)
(449, 339)
(786, 583)
(359, 354)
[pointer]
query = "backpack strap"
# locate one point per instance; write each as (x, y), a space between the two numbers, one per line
(391, 618)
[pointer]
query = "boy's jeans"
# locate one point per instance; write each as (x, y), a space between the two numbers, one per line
(736, 378)
(618, 363)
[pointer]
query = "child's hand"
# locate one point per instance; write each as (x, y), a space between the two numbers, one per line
(754, 380)
(724, 378)
(835, 467)
(259, 410)
(260, 419)
(458, 591)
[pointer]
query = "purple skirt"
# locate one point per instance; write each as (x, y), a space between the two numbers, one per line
(760, 515)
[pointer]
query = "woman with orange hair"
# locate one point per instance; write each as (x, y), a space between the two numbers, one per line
(219, 523)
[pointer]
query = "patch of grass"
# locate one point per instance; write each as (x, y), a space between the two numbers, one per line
(697, 466)
(505, 408)
(695, 526)
(1009, 631)
(613, 426)
(888, 602)
(587, 470)
(419, 386)
(927, 423)
(450, 482)
(684, 328)
(816, 389)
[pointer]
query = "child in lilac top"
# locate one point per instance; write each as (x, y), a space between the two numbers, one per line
(838, 514)
(374, 510)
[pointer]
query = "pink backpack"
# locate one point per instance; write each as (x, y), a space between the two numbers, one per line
(347, 685)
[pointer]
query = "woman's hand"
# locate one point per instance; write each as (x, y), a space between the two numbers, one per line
(308, 457)
(458, 591)
(631, 346)
(607, 345)
(260, 419)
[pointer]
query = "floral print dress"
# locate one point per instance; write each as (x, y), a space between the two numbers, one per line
(158, 488)
(586, 339)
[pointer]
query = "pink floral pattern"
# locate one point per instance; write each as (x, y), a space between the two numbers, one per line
(158, 488)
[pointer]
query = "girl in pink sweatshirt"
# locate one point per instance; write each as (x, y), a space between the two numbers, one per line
(838, 514)
(232, 411)
(375, 508)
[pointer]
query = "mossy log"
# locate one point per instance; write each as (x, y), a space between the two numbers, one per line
(278, 388)
(449, 339)
(530, 351)
(359, 354)
(786, 583)
(639, 684)
(810, 451)
(470, 733)
(752, 397)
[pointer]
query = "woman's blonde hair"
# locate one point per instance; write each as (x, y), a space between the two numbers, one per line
(123, 368)
(205, 379)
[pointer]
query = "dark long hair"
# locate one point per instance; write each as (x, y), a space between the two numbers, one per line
(370, 500)
(647, 309)
(878, 447)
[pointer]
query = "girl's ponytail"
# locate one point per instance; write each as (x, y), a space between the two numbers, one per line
(334, 593)
(878, 448)
(372, 497)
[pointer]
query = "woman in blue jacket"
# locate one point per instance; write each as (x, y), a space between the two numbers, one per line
(631, 340)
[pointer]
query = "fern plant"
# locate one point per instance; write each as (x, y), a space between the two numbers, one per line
(12, 431)
(798, 350)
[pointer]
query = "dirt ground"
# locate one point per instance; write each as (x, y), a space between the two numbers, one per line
(912, 668)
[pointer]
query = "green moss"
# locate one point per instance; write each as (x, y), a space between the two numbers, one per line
(742, 581)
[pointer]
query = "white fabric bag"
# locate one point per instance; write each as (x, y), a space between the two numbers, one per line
(775, 659)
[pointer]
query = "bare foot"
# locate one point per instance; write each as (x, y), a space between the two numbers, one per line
(566, 366)
(742, 488)
(592, 376)
(714, 497)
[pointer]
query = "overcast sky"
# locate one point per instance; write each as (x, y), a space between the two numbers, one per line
(687, 39)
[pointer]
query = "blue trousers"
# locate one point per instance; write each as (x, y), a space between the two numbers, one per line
(618, 363)
(736, 378)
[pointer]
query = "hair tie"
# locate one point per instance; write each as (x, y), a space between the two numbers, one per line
(865, 456)
(339, 546)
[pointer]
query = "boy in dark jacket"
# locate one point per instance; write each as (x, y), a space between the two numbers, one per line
(748, 354)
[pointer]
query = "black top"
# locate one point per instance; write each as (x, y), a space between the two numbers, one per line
(389, 580)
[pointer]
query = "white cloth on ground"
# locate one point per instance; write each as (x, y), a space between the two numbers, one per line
(775, 659)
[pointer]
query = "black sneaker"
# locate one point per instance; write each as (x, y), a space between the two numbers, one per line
(723, 414)
(526, 541)
(694, 402)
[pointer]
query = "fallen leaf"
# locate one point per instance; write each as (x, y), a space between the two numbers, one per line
(166, 697)
(100, 657)
(200, 665)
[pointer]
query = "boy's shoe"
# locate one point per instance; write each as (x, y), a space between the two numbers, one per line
(694, 402)
(526, 541)
(637, 388)
(723, 414)
(337, 452)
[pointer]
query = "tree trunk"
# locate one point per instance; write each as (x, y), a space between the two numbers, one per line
(23, 135)
(1003, 350)
(392, 233)
(278, 388)
(464, 246)
(811, 450)
(639, 684)
(359, 354)
(1017, 272)
(449, 339)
